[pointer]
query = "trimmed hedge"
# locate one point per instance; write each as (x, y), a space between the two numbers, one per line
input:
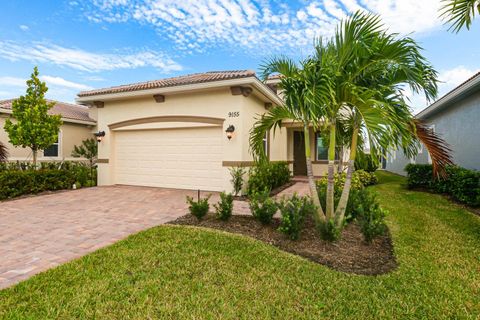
(17, 179)
(14, 183)
(462, 184)
(266, 176)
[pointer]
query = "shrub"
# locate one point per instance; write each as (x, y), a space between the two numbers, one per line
(266, 176)
(419, 175)
(293, 211)
(328, 230)
(462, 184)
(14, 183)
(237, 179)
(366, 178)
(366, 162)
(198, 208)
(370, 215)
(338, 187)
(362, 205)
(263, 207)
(224, 207)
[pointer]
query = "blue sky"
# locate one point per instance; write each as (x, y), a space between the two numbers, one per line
(83, 44)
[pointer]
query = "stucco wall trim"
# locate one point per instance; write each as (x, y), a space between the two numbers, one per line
(173, 118)
(245, 163)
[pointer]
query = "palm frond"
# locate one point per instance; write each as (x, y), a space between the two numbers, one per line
(278, 65)
(440, 152)
(460, 13)
(270, 121)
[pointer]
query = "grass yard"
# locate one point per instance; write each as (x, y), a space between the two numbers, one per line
(181, 272)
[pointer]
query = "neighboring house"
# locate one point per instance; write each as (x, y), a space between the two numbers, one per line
(456, 118)
(77, 126)
(172, 132)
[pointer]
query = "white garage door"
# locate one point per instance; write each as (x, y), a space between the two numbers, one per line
(170, 158)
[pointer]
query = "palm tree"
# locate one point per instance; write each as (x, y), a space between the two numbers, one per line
(460, 13)
(355, 80)
(371, 68)
(302, 104)
(3, 152)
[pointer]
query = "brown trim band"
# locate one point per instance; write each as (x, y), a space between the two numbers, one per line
(197, 119)
(102, 161)
(246, 163)
(326, 162)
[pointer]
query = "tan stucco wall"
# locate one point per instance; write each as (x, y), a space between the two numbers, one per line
(319, 169)
(71, 134)
(216, 103)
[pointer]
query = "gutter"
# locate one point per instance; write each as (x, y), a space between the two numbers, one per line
(257, 84)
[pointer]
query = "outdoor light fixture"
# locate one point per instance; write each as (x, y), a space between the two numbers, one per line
(99, 135)
(230, 131)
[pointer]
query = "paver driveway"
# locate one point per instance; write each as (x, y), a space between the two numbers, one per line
(40, 232)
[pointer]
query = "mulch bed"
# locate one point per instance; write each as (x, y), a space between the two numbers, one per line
(351, 254)
(274, 192)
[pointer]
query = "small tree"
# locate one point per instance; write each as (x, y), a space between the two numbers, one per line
(3, 152)
(88, 150)
(34, 127)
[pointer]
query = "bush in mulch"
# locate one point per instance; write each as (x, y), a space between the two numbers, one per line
(350, 254)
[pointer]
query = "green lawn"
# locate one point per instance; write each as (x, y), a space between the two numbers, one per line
(181, 272)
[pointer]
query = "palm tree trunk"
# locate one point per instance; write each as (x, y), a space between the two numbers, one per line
(311, 181)
(340, 161)
(342, 204)
(331, 168)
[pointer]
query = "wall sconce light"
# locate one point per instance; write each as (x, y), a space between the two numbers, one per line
(230, 131)
(99, 135)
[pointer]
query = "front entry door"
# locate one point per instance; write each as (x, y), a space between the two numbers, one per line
(299, 160)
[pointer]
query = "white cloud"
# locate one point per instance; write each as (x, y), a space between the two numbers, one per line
(57, 81)
(449, 79)
(407, 16)
(453, 77)
(24, 27)
(84, 60)
(12, 82)
(258, 26)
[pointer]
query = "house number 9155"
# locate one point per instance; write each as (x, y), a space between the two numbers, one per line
(234, 114)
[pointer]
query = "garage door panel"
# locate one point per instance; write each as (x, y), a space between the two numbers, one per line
(176, 158)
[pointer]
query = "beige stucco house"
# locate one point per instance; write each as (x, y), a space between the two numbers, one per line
(77, 126)
(172, 132)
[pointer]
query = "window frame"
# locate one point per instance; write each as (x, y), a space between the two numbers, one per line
(337, 158)
(59, 147)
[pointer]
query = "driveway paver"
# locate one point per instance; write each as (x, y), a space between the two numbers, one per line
(41, 232)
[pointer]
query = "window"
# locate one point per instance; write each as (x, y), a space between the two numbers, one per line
(322, 149)
(53, 150)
